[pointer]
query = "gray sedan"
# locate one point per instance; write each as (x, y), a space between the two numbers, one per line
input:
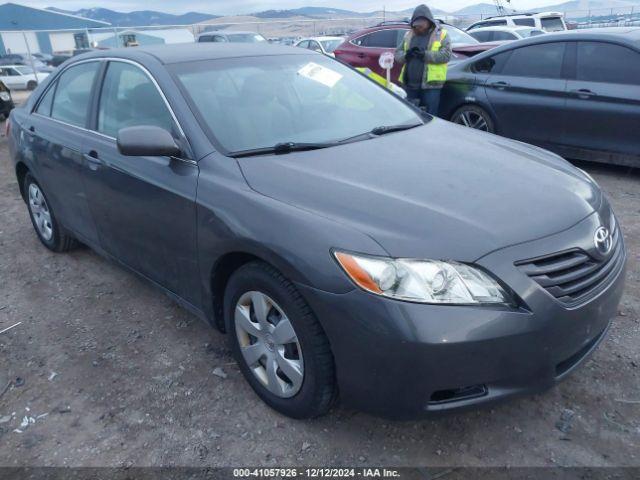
(412, 265)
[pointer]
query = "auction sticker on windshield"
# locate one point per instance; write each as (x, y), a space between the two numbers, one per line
(320, 74)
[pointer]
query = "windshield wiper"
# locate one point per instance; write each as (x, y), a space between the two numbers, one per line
(383, 130)
(282, 148)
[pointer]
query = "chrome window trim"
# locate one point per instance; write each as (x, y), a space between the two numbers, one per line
(102, 60)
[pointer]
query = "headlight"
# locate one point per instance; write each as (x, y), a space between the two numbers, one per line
(4, 96)
(423, 281)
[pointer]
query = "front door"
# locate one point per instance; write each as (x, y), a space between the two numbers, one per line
(528, 95)
(603, 109)
(144, 207)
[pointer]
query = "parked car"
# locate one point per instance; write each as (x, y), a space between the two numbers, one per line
(363, 48)
(6, 102)
(20, 77)
(576, 93)
(231, 37)
(326, 45)
(413, 265)
(547, 21)
(504, 34)
(43, 57)
(23, 59)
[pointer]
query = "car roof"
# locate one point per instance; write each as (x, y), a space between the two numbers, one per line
(625, 35)
(194, 52)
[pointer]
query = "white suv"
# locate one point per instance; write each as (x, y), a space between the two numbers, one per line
(547, 21)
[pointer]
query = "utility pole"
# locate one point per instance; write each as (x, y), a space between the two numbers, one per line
(500, 7)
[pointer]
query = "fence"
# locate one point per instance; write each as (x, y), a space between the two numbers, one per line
(281, 31)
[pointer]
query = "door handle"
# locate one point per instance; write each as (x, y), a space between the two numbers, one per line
(500, 85)
(584, 93)
(32, 129)
(93, 160)
(361, 55)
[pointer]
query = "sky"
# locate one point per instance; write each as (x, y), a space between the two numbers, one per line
(230, 7)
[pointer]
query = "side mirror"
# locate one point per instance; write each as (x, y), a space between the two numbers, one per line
(147, 141)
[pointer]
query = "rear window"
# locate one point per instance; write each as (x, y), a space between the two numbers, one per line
(552, 24)
(493, 64)
(540, 61)
(73, 93)
(482, 36)
(503, 36)
(490, 23)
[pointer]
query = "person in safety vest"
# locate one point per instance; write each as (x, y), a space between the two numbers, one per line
(424, 53)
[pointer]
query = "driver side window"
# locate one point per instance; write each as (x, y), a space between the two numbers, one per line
(129, 98)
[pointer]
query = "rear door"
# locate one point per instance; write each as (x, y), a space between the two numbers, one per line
(56, 131)
(603, 109)
(144, 207)
(528, 95)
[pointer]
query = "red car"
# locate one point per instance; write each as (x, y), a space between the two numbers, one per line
(363, 48)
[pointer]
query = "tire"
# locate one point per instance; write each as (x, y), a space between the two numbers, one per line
(43, 219)
(474, 117)
(31, 85)
(316, 392)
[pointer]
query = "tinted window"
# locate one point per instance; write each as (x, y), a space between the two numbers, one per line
(304, 44)
(492, 64)
(525, 22)
(503, 36)
(542, 61)
(73, 94)
(205, 38)
(380, 39)
(44, 108)
(482, 36)
(129, 98)
(552, 24)
(605, 62)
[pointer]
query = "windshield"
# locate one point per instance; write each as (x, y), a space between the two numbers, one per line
(259, 102)
(330, 45)
(458, 36)
(24, 70)
(245, 38)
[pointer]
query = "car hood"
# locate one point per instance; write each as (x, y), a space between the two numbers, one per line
(439, 191)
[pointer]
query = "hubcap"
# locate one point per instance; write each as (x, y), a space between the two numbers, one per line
(269, 344)
(472, 120)
(40, 212)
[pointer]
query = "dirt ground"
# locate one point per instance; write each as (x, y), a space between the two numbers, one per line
(110, 372)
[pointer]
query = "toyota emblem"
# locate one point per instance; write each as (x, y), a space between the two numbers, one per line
(603, 240)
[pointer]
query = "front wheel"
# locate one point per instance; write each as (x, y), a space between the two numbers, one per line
(281, 348)
(473, 116)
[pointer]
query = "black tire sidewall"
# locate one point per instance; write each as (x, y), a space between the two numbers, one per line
(254, 278)
(31, 85)
(55, 242)
(491, 125)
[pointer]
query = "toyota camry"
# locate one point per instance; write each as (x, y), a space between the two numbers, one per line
(349, 245)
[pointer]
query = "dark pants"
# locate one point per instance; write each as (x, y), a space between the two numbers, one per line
(426, 98)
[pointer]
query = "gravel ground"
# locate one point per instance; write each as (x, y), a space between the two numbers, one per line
(110, 372)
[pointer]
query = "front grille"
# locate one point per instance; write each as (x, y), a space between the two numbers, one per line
(574, 276)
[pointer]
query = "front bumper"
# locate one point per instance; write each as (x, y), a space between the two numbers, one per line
(405, 360)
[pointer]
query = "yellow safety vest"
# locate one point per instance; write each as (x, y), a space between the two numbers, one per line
(435, 72)
(373, 76)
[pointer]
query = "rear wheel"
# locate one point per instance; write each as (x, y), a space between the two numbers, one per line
(31, 85)
(278, 343)
(43, 219)
(473, 116)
